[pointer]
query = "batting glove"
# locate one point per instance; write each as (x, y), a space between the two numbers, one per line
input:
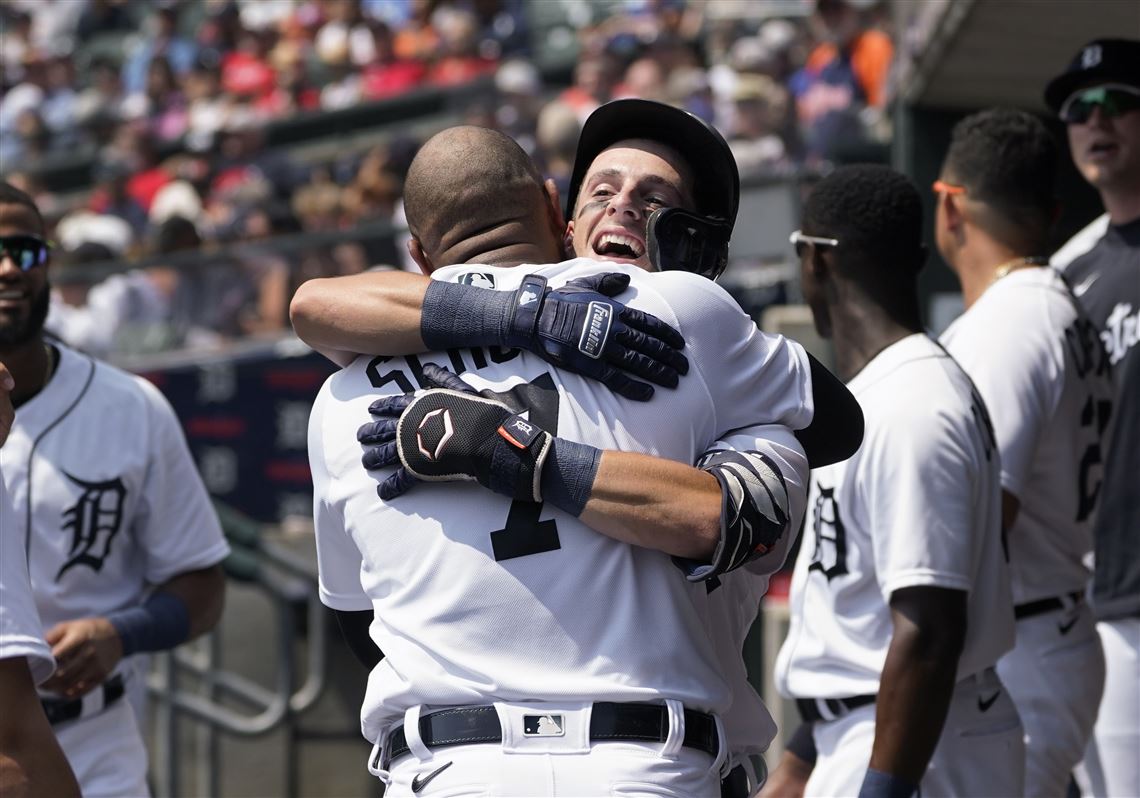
(579, 327)
(450, 433)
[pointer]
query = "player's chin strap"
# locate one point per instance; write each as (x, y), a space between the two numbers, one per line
(754, 511)
(682, 241)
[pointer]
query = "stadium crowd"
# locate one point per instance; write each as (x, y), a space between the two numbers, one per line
(171, 101)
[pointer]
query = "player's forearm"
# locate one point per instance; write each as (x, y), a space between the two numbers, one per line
(373, 313)
(204, 593)
(656, 503)
(917, 683)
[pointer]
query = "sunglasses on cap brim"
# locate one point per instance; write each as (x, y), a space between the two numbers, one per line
(801, 242)
(27, 252)
(1113, 99)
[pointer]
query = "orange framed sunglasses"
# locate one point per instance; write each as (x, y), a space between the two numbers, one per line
(941, 187)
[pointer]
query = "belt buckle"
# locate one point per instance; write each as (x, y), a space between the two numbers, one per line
(548, 725)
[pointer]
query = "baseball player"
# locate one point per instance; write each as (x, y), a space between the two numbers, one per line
(1039, 364)
(1098, 99)
(123, 546)
(900, 603)
(381, 313)
(31, 762)
(554, 651)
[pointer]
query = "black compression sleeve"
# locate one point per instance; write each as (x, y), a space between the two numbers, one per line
(836, 428)
(802, 743)
(354, 628)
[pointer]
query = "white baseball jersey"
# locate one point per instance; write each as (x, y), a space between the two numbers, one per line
(1039, 365)
(20, 632)
(479, 598)
(918, 505)
(98, 465)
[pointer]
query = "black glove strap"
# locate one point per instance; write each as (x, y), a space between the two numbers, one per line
(524, 313)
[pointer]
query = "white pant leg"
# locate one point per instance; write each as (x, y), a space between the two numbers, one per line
(982, 747)
(843, 752)
(106, 752)
(567, 764)
(1112, 762)
(1055, 675)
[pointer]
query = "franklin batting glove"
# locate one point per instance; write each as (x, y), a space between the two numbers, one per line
(579, 327)
(450, 433)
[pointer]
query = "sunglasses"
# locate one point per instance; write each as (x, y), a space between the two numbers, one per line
(1113, 99)
(27, 252)
(942, 187)
(801, 242)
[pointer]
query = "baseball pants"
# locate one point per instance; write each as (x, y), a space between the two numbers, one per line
(565, 765)
(981, 750)
(1055, 675)
(1111, 768)
(106, 752)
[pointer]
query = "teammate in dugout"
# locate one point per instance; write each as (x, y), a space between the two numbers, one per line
(123, 546)
(31, 762)
(1038, 362)
(900, 600)
(737, 652)
(1098, 99)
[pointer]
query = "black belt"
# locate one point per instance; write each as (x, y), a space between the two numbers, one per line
(59, 710)
(609, 721)
(813, 709)
(1042, 606)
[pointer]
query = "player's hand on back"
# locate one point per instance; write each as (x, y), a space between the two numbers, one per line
(580, 327)
(86, 652)
(450, 433)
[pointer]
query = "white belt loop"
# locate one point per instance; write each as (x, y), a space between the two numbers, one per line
(676, 738)
(416, 745)
(92, 702)
(374, 761)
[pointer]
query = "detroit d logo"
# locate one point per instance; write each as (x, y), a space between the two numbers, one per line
(830, 554)
(1091, 56)
(434, 432)
(93, 521)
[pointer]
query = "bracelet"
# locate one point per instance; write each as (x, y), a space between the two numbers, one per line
(161, 623)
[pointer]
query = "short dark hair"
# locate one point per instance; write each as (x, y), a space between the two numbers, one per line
(10, 195)
(1006, 159)
(874, 212)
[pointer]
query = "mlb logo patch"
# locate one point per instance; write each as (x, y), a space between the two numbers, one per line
(478, 279)
(543, 726)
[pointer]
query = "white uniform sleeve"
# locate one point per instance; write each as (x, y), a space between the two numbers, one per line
(780, 445)
(753, 377)
(1020, 388)
(21, 634)
(920, 498)
(177, 525)
(338, 559)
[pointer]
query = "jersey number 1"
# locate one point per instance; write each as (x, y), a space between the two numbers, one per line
(524, 533)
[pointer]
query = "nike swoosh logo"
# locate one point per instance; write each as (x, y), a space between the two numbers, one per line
(985, 703)
(1064, 628)
(419, 783)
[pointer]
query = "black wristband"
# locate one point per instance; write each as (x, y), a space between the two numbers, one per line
(568, 475)
(802, 743)
(463, 315)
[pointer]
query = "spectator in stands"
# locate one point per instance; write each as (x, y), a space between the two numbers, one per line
(417, 39)
(161, 39)
(459, 59)
(760, 106)
(104, 96)
(111, 197)
(644, 78)
(15, 43)
(161, 104)
(595, 77)
(844, 74)
(207, 107)
(388, 74)
(344, 37)
(557, 139)
(58, 105)
(104, 16)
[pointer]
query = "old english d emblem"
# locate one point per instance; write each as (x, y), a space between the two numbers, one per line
(543, 726)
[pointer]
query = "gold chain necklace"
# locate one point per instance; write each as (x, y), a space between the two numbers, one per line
(49, 366)
(1017, 263)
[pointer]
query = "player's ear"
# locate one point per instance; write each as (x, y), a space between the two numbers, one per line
(416, 250)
